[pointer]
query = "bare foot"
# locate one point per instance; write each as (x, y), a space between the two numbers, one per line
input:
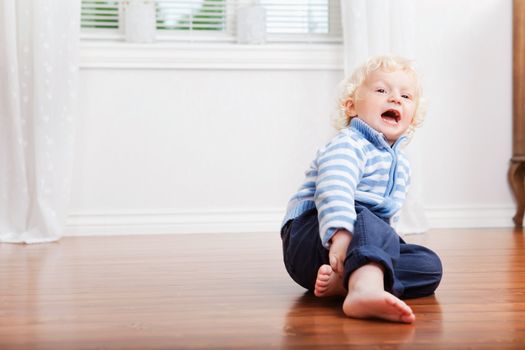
(328, 283)
(377, 304)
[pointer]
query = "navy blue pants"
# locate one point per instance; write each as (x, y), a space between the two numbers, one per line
(410, 270)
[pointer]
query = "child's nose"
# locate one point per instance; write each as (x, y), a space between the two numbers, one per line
(394, 98)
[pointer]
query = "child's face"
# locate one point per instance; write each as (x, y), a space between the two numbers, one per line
(386, 101)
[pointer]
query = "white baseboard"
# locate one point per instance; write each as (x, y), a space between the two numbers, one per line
(169, 222)
(267, 220)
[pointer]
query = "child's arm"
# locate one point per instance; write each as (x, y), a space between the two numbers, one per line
(340, 167)
(338, 248)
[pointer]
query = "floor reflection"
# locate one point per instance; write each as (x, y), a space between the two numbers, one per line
(32, 277)
(316, 322)
(515, 283)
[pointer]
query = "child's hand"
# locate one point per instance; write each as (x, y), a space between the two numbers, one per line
(337, 253)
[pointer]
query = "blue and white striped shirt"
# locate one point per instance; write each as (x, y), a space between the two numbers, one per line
(358, 165)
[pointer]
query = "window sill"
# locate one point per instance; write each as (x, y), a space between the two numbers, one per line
(121, 55)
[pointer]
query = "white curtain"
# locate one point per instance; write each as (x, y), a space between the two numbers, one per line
(373, 27)
(38, 87)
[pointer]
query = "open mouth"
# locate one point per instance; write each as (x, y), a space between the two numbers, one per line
(391, 116)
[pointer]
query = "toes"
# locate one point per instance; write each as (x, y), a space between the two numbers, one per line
(321, 284)
(408, 318)
(319, 292)
(324, 278)
(327, 282)
(405, 312)
(391, 300)
(404, 308)
(325, 270)
(399, 304)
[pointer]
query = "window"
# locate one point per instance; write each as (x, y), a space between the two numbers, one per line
(287, 21)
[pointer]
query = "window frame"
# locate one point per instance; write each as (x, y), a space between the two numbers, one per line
(106, 49)
(119, 55)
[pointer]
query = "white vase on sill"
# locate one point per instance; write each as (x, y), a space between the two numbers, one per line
(140, 21)
(251, 24)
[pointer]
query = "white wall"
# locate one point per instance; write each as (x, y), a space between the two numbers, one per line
(208, 150)
(465, 51)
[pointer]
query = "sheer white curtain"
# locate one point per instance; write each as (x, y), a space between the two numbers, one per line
(372, 27)
(38, 87)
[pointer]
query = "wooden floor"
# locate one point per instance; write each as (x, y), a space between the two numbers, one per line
(231, 291)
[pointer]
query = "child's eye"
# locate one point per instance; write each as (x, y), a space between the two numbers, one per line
(381, 91)
(408, 97)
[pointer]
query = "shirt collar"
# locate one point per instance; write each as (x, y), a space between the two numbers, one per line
(374, 136)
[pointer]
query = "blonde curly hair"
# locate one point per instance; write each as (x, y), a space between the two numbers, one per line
(349, 86)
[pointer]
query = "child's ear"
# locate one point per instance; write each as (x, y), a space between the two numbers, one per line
(350, 108)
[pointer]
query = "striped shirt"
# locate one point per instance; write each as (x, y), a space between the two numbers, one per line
(359, 165)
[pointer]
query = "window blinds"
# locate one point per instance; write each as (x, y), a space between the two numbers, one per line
(100, 14)
(215, 20)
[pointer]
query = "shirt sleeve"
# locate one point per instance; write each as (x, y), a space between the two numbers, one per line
(340, 167)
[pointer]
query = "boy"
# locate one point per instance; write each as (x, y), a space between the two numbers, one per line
(336, 234)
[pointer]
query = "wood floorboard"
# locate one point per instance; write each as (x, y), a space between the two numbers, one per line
(231, 291)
